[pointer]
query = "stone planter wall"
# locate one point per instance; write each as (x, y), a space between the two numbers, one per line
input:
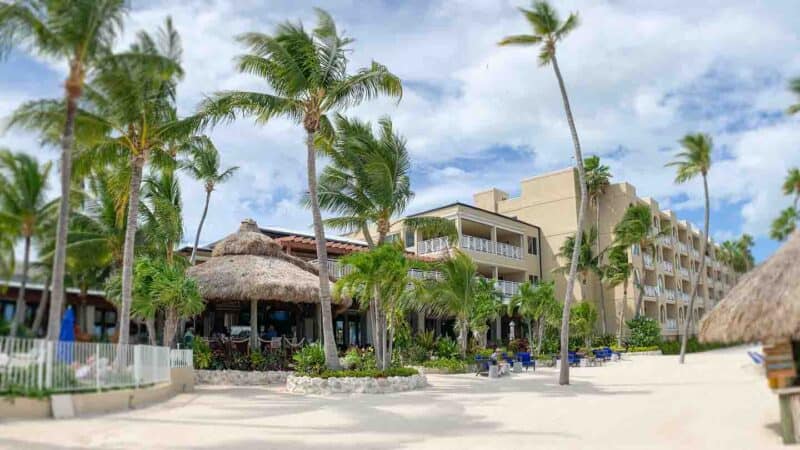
(354, 385)
(240, 377)
(653, 353)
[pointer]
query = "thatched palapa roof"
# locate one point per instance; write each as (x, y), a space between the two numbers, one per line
(765, 304)
(249, 265)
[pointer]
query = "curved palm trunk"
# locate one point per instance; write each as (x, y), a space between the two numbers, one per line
(37, 320)
(540, 329)
(152, 337)
(19, 313)
(170, 327)
(563, 377)
(599, 278)
(622, 313)
(331, 356)
(137, 164)
(690, 313)
(73, 92)
(200, 228)
(640, 287)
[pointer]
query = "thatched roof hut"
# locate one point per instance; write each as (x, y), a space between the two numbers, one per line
(765, 304)
(249, 266)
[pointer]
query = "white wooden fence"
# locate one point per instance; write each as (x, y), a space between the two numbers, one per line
(28, 365)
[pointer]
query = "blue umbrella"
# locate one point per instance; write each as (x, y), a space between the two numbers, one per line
(67, 335)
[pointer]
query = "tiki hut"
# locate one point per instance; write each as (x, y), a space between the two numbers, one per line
(249, 266)
(765, 307)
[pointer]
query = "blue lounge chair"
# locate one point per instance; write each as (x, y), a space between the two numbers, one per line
(757, 358)
(482, 365)
(524, 358)
(573, 359)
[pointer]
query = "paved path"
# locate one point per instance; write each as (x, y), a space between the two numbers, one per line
(717, 400)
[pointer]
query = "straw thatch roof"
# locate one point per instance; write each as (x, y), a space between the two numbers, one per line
(765, 304)
(249, 265)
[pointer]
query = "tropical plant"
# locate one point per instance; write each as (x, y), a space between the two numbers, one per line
(635, 229)
(307, 76)
(645, 332)
(737, 253)
(310, 360)
(23, 210)
(784, 225)
(548, 30)
(204, 165)
(583, 320)
(161, 209)
(588, 260)
(598, 178)
(485, 308)
(81, 33)
(536, 303)
(617, 271)
(695, 159)
(794, 86)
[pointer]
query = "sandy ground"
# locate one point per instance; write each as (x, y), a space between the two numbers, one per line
(717, 400)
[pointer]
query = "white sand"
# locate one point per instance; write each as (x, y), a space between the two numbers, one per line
(717, 400)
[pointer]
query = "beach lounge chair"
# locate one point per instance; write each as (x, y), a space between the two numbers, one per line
(482, 366)
(524, 359)
(573, 359)
(757, 358)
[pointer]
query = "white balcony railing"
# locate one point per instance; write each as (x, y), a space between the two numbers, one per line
(648, 261)
(482, 245)
(507, 288)
(683, 271)
(669, 294)
(666, 241)
(666, 266)
(671, 324)
(696, 253)
(335, 268)
(650, 291)
(684, 297)
(683, 247)
(433, 245)
(425, 274)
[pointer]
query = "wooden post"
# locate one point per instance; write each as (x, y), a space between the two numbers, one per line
(787, 421)
(253, 325)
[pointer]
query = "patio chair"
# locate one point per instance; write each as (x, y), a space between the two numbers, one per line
(757, 358)
(611, 353)
(524, 358)
(573, 359)
(275, 343)
(482, 366)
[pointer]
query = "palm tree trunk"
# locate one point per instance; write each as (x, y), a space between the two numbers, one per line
(563, 377)
(200, 228)
(331, 356)
(702, 272)
(170, 327)
(640, 286)
(73, 92)
(540, 329)
(19, 314)
(137, 164)
(151, 330)
(37, 320)
(600, 278)
(622, 312)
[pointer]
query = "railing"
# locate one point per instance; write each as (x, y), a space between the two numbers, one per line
(425, 274)
(669, 294)
(335, 268)
(55, 366)
(696, 253)
(477, 244)
(671, 324)
(683, 271)
(433, 245)
(507, 288)
(179, 358)
(650, 291)
(666, 266)
(683, 247)
(666, 241)
(648, 261)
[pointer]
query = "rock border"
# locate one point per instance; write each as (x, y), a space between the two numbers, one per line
(651, 353)
(354, 385)
(240, 377)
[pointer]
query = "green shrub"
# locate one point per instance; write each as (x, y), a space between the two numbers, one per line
(447, 348)
(310, 360)
(645, 332)
(201, 354)
(518, 345)
(604, 340)
(5, 327)
(366, 373)
(426, 340)
(449, 365)
(415, 354)
(647, 348)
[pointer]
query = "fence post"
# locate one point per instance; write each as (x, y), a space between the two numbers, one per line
(137, 365)
(40, 361)
(97, 366)
(48, 365)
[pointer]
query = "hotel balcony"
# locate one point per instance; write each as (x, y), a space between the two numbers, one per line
(684, 248)
(475, 244)
(434, 245)
(666, 241)
(505, 288)
(671, 324)
(696, 253)
(650, 291)
(684, 297)
(648, 261)
(669, 294)
(335, 269)
(667, 267)
(683, 271)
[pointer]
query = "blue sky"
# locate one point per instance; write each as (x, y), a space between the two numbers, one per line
(640, 76)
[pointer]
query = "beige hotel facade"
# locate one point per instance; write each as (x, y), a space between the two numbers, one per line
(516, 239)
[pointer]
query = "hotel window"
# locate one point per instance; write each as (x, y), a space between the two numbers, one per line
(532, 245)
(534, 279)
(409, 238)
(635, 249)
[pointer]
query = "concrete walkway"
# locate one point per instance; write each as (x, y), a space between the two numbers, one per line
(716, 400)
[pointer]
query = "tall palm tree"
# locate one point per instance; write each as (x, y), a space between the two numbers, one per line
(161, 210)
(618, 272)
(791, 185)
(80, 32)
(695, 159)
(23, 209)
(598, 178)
(745, 245)
(307, 75)
(536, 304)
(366, 185)
(794, 86)
(205, 165)
(786, 222)
(588, 260)
(548, 30)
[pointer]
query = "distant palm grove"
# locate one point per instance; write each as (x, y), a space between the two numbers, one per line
(117, 221)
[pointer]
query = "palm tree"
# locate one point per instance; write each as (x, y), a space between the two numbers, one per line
(485, 308)
(636, 230)
(307, 74)
(81, 32)
(791, 185)
(454, 293)
(784, 225)
(548, 30)
(598, 178)
(535, 304)
(583, 320)
(366, 184)
(205, 165)
(161, 210)
(587, 260)
(794, 86)
(23, 209)
(737, 253)
(745, 245)
(695, 159)
(617, 272)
